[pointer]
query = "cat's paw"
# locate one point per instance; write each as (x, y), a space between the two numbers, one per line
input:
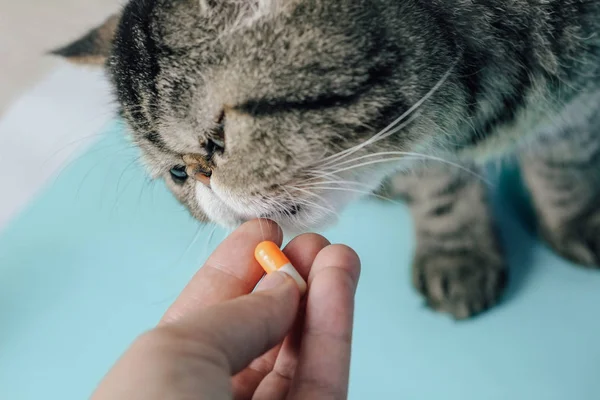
(578, 240)
(462, 284)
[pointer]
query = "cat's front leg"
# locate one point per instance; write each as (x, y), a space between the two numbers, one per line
(458, 265)
(563, 175)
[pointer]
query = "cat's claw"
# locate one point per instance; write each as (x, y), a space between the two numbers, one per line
(578, 241)
(462, 284)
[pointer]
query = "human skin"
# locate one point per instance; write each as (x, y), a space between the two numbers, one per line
(222, 339)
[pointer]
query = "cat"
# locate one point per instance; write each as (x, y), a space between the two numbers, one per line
(291, 109)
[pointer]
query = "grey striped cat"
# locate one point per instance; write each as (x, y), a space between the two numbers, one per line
(290, 109)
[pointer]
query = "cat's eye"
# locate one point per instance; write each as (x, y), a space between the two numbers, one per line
(179, 174)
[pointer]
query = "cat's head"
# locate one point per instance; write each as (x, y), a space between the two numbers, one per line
(269, 108)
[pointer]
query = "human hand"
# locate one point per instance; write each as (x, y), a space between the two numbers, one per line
(217, 341)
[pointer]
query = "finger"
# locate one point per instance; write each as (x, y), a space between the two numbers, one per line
(276, 384)
(199, 352)
(301, 251)
(240, 330)
(231, 271)
(324, 361)
(244, 384)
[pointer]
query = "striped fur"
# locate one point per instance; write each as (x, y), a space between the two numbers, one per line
(290, 102)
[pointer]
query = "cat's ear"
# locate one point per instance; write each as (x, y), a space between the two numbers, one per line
(94, 47)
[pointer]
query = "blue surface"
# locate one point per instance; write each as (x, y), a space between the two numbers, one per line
(101, 253)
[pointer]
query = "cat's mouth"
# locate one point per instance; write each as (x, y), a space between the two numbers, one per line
(286, 210)
(229, 209)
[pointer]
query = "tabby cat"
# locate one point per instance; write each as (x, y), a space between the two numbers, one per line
(290, 109)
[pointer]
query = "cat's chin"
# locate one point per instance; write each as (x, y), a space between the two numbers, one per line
(304, 224)
(225, 209)
(291, 226)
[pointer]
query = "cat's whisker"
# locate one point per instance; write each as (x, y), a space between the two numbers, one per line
(262, 231)
(98, 149)
(398, 120)
(431, 158)
(189, 246)
(333, 182)
(74, 143)
(374, 139)
(412, 155)
(289, 195)
(314, 204)
(327, 207)
(64, 146)
(210, 237)
(409, 157)
(281, 208)
(132, 162)
(91, 169)
(147, 183)
(319, 175)
(119, 192)
(363, 192)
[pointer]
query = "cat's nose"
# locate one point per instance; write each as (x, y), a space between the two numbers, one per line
(198, 168)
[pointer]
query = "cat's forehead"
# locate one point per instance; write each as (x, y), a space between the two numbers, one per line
(181, 16)
(179, 30)
(175, 67)
(158, 18)
(297, 52)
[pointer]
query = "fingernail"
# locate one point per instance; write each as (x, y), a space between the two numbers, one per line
(272, 280)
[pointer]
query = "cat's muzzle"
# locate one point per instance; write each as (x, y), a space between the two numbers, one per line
(198, 168)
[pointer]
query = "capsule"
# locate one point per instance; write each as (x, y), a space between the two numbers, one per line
(272, 259)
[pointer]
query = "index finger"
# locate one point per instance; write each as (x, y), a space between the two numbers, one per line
(231, 271)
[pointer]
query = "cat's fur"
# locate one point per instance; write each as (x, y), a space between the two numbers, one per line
(289, 84)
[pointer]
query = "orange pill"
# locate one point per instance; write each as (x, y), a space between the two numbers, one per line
(272, 259)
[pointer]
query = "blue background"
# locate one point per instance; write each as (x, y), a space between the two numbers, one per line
(102, 252)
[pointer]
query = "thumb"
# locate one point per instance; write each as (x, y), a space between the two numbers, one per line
(245, 328)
